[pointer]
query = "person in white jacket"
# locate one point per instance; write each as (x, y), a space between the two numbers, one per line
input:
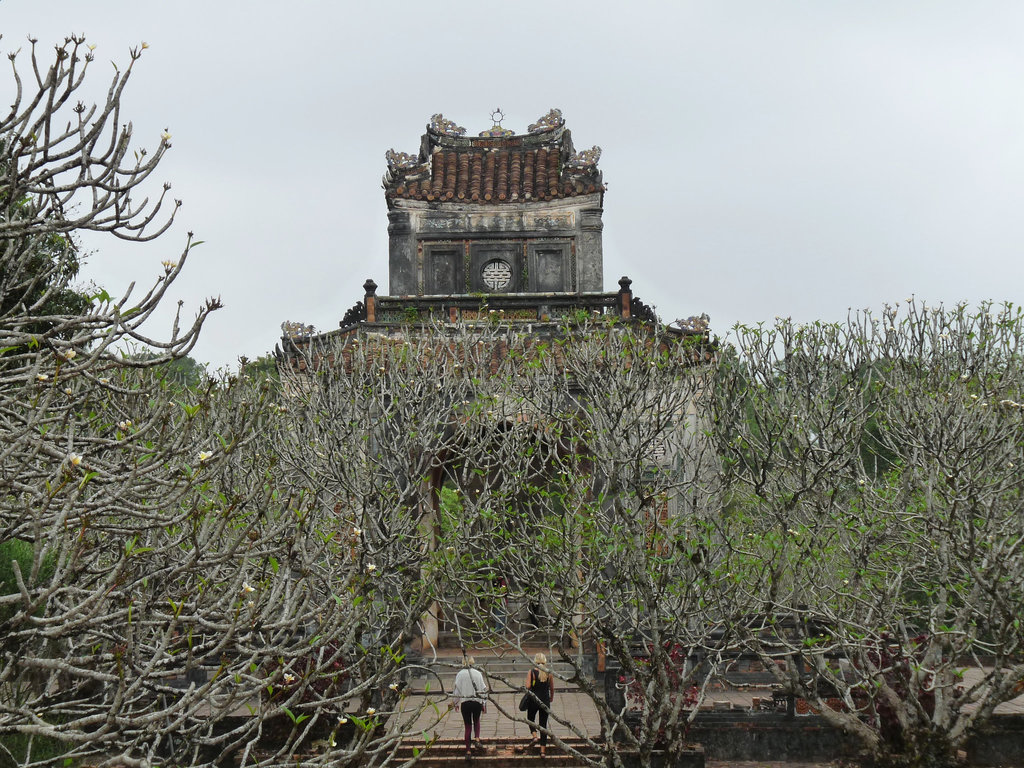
(470, 695)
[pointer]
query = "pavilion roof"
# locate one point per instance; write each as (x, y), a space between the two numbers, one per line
(496, 167)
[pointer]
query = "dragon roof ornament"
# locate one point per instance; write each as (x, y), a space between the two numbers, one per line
(548, 122)
(694, 323)
(586, 157)
(295, 330)
(438, 124)
(397, 160)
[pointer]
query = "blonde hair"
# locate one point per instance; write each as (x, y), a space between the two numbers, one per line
(541, 661)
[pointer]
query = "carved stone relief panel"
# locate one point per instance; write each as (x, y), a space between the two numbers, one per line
(549, 267)
(443, 269)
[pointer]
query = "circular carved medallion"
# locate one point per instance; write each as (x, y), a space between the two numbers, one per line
(497, 275)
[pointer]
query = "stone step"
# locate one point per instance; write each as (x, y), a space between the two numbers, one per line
(494, 754)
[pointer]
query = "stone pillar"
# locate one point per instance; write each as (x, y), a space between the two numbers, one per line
(370, 300)
(590, 252)
(430, 627)
(625, 297)
(403, 272)
(614, 692)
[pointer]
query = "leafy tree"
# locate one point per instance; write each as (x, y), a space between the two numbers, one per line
(876, 591)
(181, 372)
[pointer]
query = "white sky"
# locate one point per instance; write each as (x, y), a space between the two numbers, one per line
(762, 157)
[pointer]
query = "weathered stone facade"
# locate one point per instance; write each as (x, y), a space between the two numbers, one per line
(497, 213)
(501, 227)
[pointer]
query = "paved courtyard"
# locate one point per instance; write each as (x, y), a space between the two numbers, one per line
(573, 713)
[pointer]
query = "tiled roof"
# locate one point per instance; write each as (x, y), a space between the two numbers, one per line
(492, 170)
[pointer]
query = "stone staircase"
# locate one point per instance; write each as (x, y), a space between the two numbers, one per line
(521, 753)
(510, 753)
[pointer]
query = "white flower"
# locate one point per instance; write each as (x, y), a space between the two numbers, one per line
(165, 136)
(792, 532)
(68, 391)
(342, 720)
(124, 425)
(42, 377)
(371, 711)
(393, 686)
(68, 354)
(205, 455)
(145, 45)
(860, 481)
(250, 604)
(75, 459)
(974, 397)
(104, 380)
(370, 568)
(289, 678)
(169, 265)
(246, 588)
(1010, 464)
(357, 531)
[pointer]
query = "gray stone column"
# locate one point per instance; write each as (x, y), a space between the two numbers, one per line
(589, 251)
(403, 273)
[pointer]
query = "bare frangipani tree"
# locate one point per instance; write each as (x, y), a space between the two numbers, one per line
(579, 498)
(618, 549)
(374, 419)
(876, 518)
(130, 513)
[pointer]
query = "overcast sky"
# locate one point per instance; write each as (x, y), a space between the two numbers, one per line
(762, 158)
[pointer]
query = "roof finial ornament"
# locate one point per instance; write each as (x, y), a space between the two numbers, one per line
(496, 131)
(550, 121)
(399, 160)
(438, 124)
(294, 330)
(586, 157)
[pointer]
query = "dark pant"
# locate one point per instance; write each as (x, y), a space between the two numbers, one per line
(471, 717)
(532, 710)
